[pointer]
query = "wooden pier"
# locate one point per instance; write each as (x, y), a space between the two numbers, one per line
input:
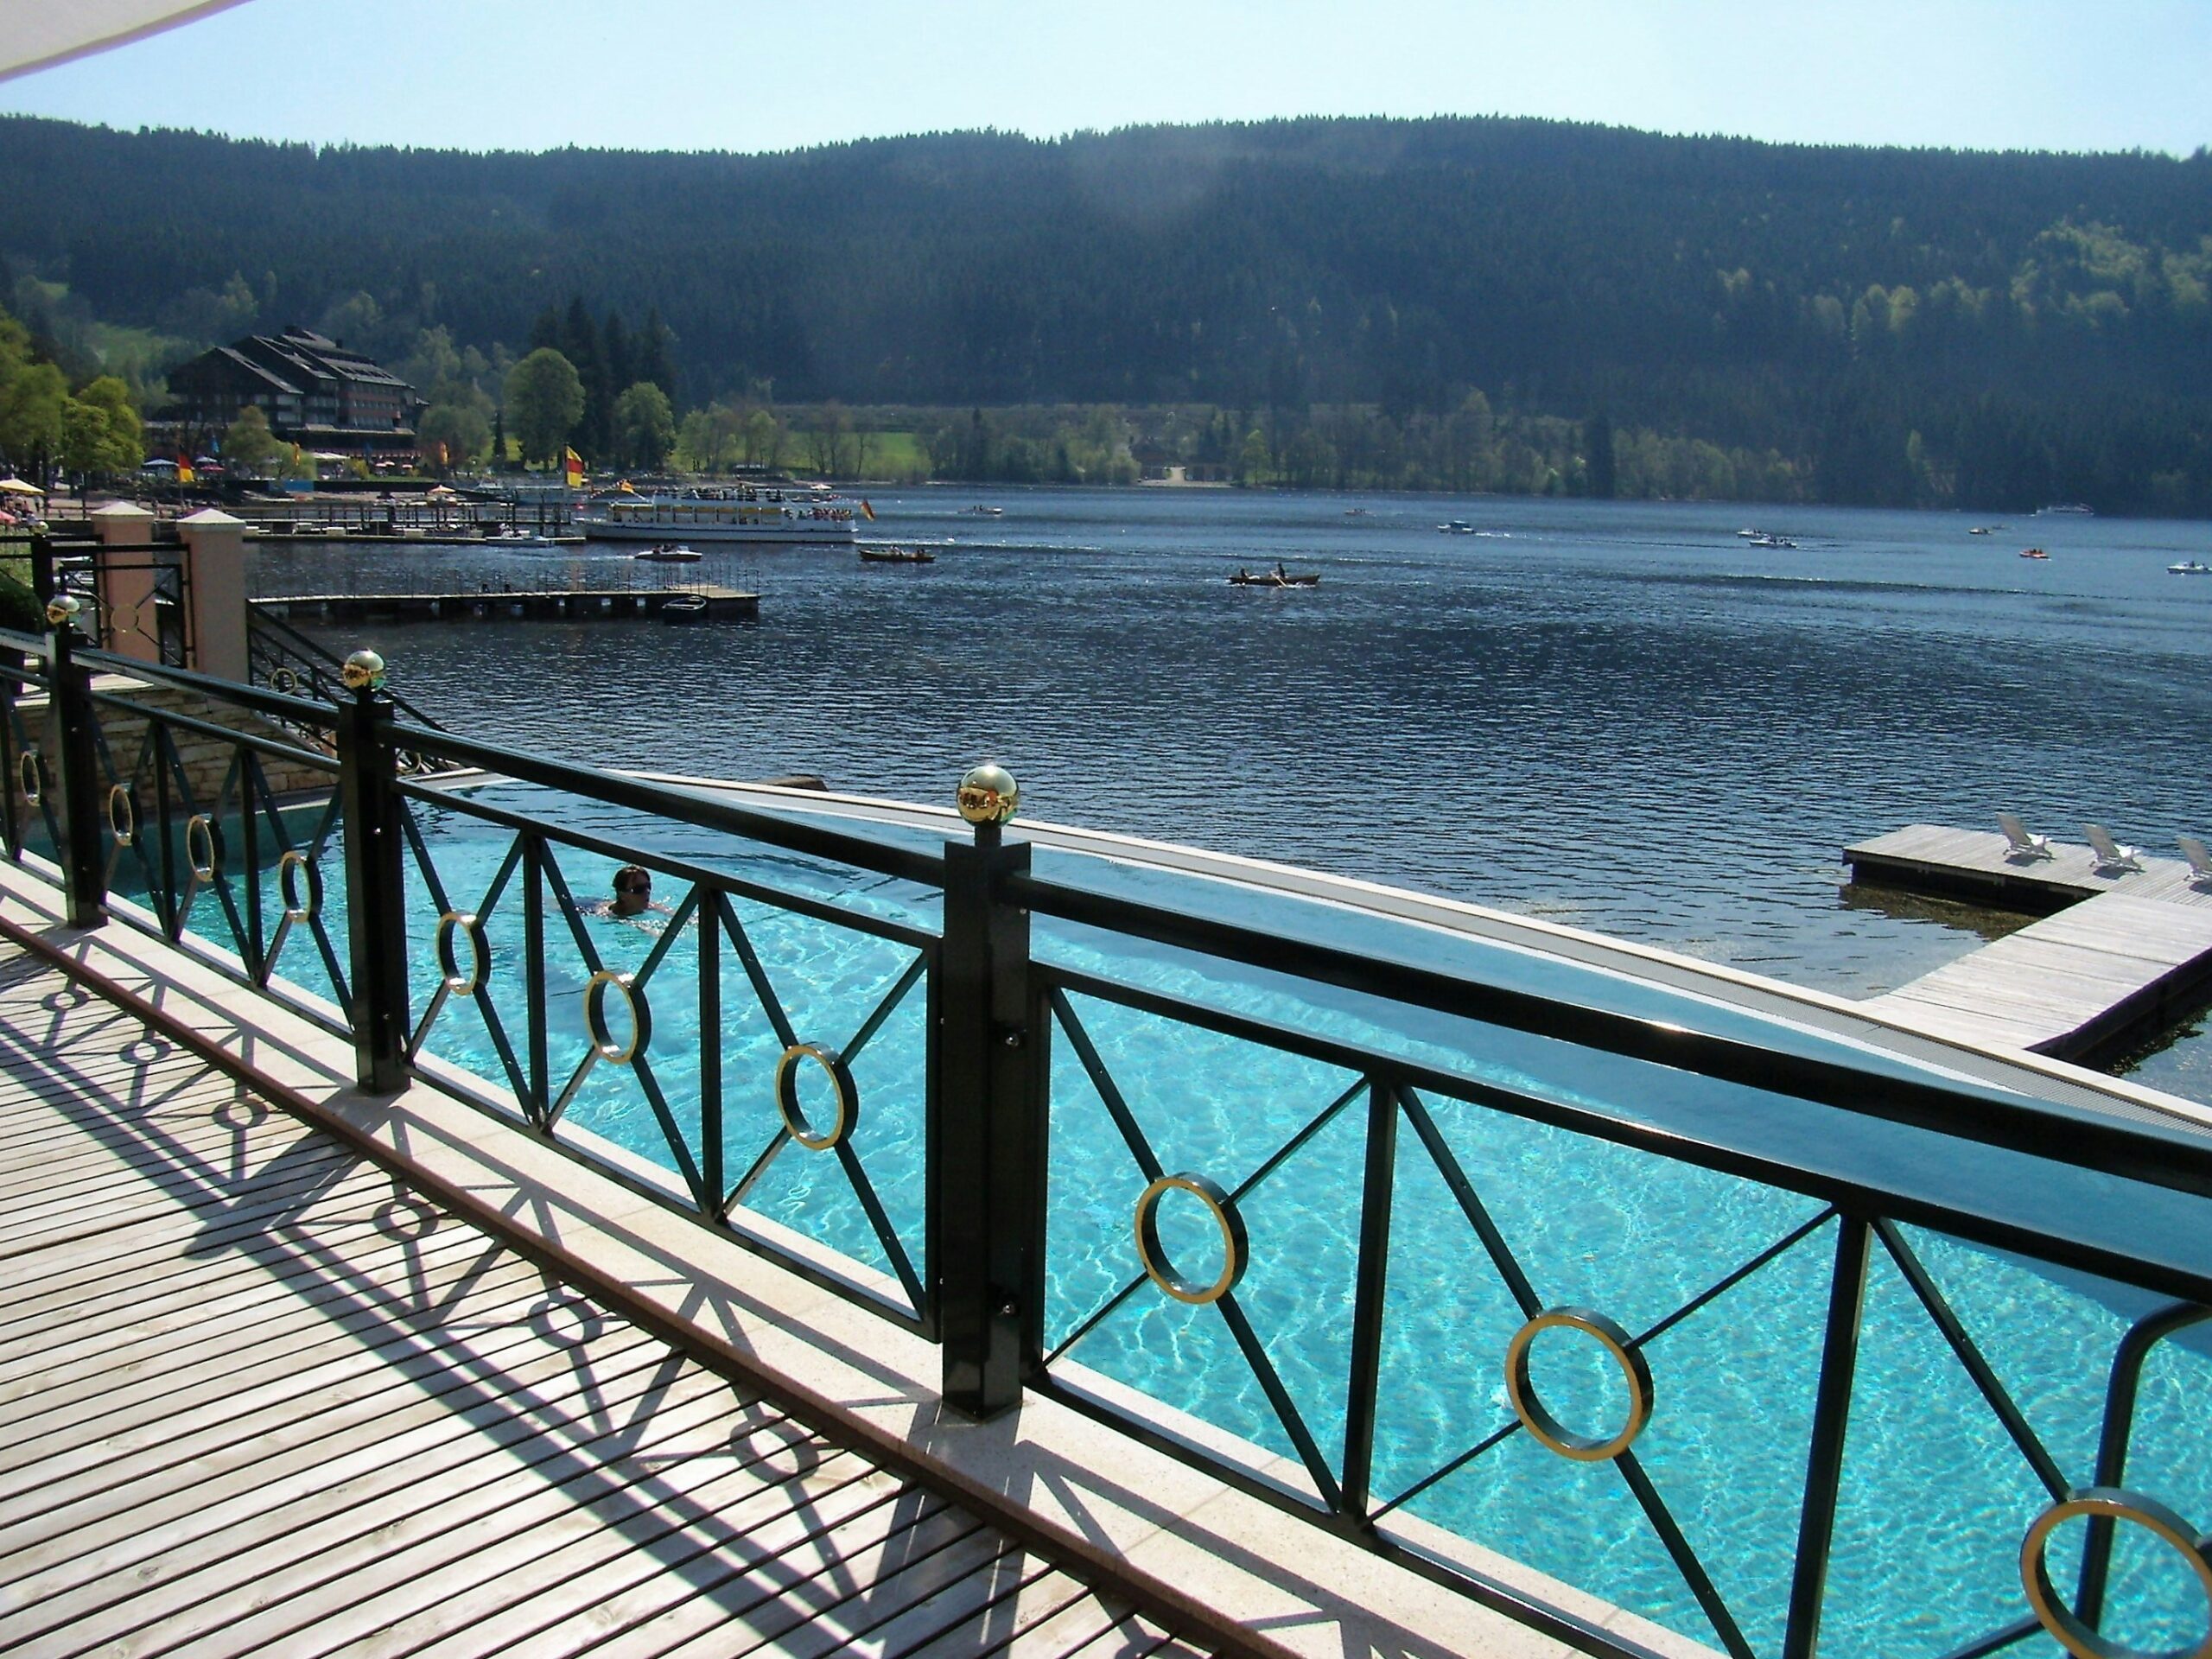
(551, 605)
(2115, 957)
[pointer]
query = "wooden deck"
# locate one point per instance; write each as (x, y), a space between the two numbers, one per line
(2121, 956)
(257, 1396)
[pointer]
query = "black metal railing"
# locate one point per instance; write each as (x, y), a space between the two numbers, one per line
(960, 1089)
(134, 600)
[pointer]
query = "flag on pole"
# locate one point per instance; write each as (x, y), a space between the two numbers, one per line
(184, 472)
(869, 510)
(572, 465)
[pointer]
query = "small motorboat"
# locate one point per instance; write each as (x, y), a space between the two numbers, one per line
(1277, 577)
(1356, 512)
(684, 608)
(898, 555)
(668, 553)
(1981, 529)
(2033, 553)
(1748, 534)
(2190, 567)
(1457, 527)
(981, 512)
(1770, 541)
(515, 537)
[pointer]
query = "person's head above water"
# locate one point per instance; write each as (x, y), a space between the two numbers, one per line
(633, 889)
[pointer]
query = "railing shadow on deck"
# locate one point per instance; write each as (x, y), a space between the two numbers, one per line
(1300, 1204)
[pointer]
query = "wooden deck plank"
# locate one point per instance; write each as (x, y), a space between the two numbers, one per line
(275, 1554)
(1069, 1631)
(711, 1586)
(432, 1456)
(1002, 1626)
(256, 1396)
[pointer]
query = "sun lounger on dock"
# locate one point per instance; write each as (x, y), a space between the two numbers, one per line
(2019, 843)
(2200, 861)
(2111, 855)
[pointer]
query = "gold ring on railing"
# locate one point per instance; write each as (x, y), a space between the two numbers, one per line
(297, 909)
(2109, 1504)
(283, 680)
(1235, 1247)
(794, 1115)
(595, 1017)
(1548, 1429)
(203, 869)
(122, 815)
(31, 776)
(479, 952)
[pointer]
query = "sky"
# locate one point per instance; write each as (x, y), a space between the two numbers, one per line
(730, 75)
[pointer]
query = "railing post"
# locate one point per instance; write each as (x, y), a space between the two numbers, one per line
(1824, 1459)
(988, 1187)
(73, 754)
(376, 919)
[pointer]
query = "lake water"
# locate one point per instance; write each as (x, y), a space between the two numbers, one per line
(1614, 716)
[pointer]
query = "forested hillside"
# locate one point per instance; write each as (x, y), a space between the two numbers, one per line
(1984, 330)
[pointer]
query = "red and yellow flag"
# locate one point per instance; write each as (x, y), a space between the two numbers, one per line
(572, 465)
(869, 510)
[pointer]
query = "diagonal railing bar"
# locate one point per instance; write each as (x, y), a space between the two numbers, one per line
(1444, 1472)
(1683, 1555)
(1286, 1408)
(884, 1009)
(1734, 1277)
(1329, 1114)
(1970, 1356)
(1720, 1286)
(549, 868)
(758, 1167)
(225, 794)
(318, 929)
(763, 986)
(1109, 1092)
(1997, 1641)
(1104, 1311)
(885, 1234)
(687, 1165)
(481, 993)
(1470, 1203)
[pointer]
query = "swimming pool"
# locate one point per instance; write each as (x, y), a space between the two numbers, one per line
(1217, 1068)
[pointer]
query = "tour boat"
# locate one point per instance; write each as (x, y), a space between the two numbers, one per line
(742, 514)
(668, 554)
(2190, 567)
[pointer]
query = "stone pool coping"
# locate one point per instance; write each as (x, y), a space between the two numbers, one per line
(1227, 1567)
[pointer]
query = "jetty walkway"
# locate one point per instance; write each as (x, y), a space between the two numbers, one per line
(2115, 956)
(258, 1394)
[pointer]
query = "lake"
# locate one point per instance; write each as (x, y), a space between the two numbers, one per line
(1614, 716)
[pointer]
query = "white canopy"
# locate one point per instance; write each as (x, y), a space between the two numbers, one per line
(16, 486)
(38, 33)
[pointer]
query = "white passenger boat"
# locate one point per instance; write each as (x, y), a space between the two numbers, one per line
(768, 515)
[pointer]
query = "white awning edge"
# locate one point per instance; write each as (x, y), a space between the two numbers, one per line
(36, 34)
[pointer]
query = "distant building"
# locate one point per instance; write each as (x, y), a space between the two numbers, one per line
(315, 393)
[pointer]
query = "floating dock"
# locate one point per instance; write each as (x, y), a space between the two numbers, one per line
(558, 604)
(2115, 957)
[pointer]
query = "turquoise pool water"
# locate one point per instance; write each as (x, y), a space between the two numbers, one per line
(1936, 1498)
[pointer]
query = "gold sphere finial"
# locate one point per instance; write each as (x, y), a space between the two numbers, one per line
(61, 610)
(989, 795)
(364, 668)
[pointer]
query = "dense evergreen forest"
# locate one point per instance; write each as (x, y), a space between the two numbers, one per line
(1315, 301)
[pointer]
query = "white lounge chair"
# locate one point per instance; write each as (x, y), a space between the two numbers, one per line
(2200, 861)
(2111, 855)
(2019, 844)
